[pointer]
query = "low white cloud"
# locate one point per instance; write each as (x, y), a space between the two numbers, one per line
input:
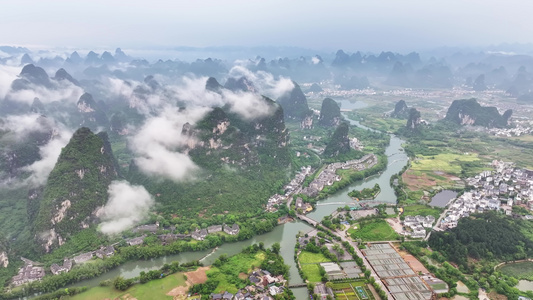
(127, 206)
(62, 91)
(192, 91)
(315, 60)
(49, 154)
(159, 140)
(18, 127)
(7, 75)
(264, 81)
(248, 105)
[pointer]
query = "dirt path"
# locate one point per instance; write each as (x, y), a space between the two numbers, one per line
(193, 277)
(395, 224)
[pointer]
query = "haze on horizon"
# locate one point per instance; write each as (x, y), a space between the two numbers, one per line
(325, 25)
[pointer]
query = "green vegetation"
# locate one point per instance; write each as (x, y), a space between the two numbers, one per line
(487, 236)
(445, 162)
(82, 167)
(373, 230)
(330, 113)
(401, 111)
(372, 117)
(480, 275)
(226, 270)
(349, 176)
(306, 257)
(366, 193)
(294, 104)
(413, 122)
(339, 143)
(422, 210)
(519, 270)
(477, 114)
(225, 275)
(260, 167)
(155, 289)
(312, 272)
(348, 290)
(100, 292)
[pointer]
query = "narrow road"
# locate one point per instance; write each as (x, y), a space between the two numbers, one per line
(437, 224)
(345, 238)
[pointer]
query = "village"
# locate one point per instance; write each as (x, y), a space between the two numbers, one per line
(496, 190)
(520, 128)
(264, 287)
(33, 271)
(326, 177)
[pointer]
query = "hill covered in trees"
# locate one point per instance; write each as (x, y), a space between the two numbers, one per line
(484, 236)
(330, 113)
(76, 188)
(470, 112)
(339, 143)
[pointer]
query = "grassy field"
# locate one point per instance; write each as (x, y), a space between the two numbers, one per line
(312, 258)
(155, 289)
(228, 273)
(520, 270)
(373, 230)
(422, 210)
(444, 162)
(312, 271)
(525, 138)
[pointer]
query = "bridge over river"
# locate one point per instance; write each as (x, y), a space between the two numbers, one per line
(307, 219)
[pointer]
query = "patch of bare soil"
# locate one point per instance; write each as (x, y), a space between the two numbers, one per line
(193, 277)
(495, 296)
(415, 182)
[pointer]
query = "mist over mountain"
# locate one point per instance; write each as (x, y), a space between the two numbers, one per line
(206, 136)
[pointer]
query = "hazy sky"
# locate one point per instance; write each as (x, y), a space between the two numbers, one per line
(326, 25)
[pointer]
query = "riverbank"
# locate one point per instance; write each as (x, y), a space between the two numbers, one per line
(348, 177)
(279, 233)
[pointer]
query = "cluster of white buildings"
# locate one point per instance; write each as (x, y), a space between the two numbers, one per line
(418, 225)
(521, 128)
(292, 188)
(29, 273)
(493, 190)
(337, 93)
(356, 144)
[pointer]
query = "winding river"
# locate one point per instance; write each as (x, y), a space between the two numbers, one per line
(284, 234)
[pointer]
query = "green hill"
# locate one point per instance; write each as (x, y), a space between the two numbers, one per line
(242, 163)
(76, 188)
(330, 113)
(294, 104)
(339, 143)
(470, 112)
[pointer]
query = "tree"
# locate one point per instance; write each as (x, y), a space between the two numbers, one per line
(276, 248)
(122, 284)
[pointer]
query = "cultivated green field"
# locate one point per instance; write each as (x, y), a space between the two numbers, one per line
(155, 289)
(347, 290)
(520, 270)
(422, 210)
(373, 230)
(312, 258)
(312, 271)
(444, 162)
